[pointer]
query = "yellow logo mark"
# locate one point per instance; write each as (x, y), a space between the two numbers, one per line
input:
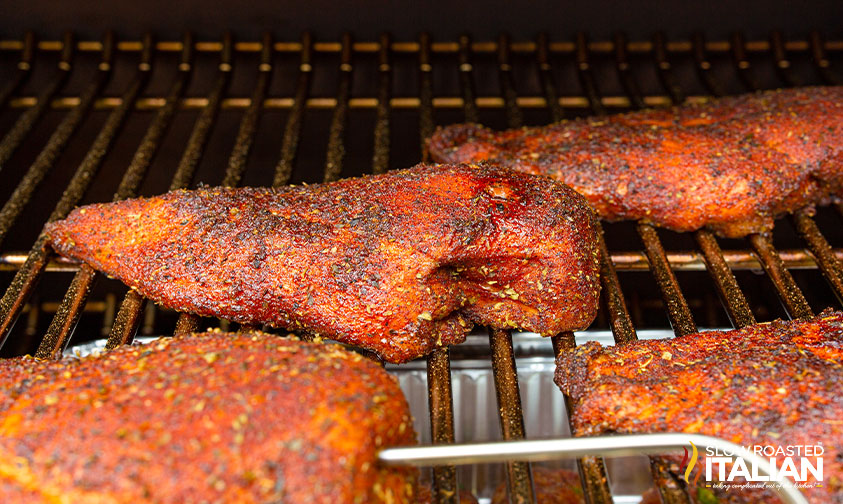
(693, 461)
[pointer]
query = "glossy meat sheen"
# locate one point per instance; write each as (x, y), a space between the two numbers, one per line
(397, 263)
(216, 417)
(731, 165)
(773, 384)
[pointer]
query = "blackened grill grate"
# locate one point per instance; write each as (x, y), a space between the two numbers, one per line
(657, 72)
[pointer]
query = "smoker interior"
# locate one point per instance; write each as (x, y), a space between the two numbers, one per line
(82, 120)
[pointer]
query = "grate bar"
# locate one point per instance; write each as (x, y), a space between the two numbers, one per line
(336, 147)
(466, 70)
(624, 69)
(782, 63)
(586, 75)
(22, 70)
(380, 158)
(514, 117)
(665, 69)
(727, 285)
(826, 259)
(426, 123)
(441, 404)
(591, 469)
(546, 76)
(820, 59)
(677, 307)
(292, 129)
(249, 123)
(24, 281)
(518, 476)
(703, 64)
(13, 138)
(793, 299)
(128, 317)
(64, 322)
(741, 61)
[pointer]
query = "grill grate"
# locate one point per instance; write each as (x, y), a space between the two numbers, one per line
(502, 62)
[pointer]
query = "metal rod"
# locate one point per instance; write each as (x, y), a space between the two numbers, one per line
(621, 324)
(780, 59)
(26, 278)
(128, 317)
(518, 475)
(64, 322)
(592, 470)
(624, 69)
(336, 144)
(292, 130)
(426, 123)
(727, 285)
(829, 264)
(793, 299)
(514, 118)
(741, 62)
(22, 70)
(665, 69)
(586, 75)
(546, 77)
(440, 401)
(677, 307)
(466, 70)
(249, 123)
(736, 260)
(380, 158)
(13, 138)
(820, 59)
(703, 64)
(554, 449)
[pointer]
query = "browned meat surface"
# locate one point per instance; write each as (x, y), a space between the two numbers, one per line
(731, 165)
(775, 384)
(552, 486)
(217, 417)
(397, 263)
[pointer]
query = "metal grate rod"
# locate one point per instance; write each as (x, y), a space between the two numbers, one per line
(24, 281)
(292, 130)
(336, 147)
(546, 77)
(703, 64)
(741, 62)
(70, 309)
(27, 120)
(782, 63)
(22, 70)
(249, 123)
(820, 59)
(426, 123)
(727, 285)
(128, 317)
(591, 469)
(518, 476)
(380, 158)
(827, 261)
(514, 117)
(586, 75)
(466, 70)
(793, 299)
(665, 69)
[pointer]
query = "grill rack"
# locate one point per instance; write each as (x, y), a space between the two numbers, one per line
(30, 266)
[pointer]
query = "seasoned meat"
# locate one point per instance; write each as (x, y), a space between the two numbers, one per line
(732, 165)
(552, 486)
(775, 384)
(398, 263)
(217, 417)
